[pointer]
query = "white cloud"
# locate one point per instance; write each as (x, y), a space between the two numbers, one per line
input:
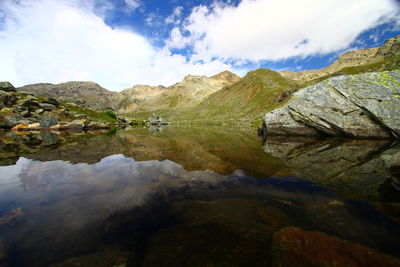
(55, 41)
(132, 4)
(175, 17)
(279, 29)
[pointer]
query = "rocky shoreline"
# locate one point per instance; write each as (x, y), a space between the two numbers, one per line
(26, 112)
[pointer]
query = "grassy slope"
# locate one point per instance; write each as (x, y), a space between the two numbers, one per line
(247, 100)
(93, 114)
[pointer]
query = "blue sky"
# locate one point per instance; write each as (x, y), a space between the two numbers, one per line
(120, 43)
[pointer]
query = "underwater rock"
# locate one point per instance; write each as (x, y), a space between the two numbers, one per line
(296, 247)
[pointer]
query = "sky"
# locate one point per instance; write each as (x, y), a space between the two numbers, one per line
(120, 43)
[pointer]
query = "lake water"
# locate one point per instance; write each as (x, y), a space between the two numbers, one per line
(211, 196)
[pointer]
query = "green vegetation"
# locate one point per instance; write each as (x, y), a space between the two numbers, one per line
(111, 114)
(93, 114)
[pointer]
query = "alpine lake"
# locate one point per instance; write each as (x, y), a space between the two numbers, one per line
(197, 196)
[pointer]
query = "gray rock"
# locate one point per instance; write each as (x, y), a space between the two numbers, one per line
(11, 120)
(39, 111)
(47, 106)
(52, 101)
(77, 124)
(358, 106)
(156, 120)
(7, 86)
(47, 121)
(49, 138)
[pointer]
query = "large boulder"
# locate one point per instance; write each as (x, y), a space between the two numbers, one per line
(357, 106)
(7, 86)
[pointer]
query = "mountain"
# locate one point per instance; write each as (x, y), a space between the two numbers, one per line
(352, 59)
(249, 97)
(137, 94)
(87, 94)
(189, 92)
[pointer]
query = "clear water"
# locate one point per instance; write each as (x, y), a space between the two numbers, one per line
(190, 196)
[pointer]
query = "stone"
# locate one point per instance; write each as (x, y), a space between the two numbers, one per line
(47, 120)
(293, 246)
(12, 120)
(51, 101)
(7, 87)
(156, 120)
(49, 138)
(39, 111)
(356, 106)
(8, 98)
(47, 106)
(20, 127)
(98, 125)
(76, 124)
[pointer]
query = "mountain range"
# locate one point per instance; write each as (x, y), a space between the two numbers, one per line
(224, 97)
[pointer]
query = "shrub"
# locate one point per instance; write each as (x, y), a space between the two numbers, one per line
(111, 114)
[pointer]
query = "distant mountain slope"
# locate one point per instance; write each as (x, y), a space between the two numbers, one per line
(87, 94)
(137, 94)
(258, 91)
(352, 59)
(189, 92)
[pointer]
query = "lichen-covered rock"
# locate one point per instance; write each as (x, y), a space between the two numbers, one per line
(7, 98)
(357, 106)
(12, 120)
(7, 86)
(295, 247)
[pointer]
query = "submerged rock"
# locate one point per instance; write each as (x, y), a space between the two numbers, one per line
(357, 106)
(295, 247)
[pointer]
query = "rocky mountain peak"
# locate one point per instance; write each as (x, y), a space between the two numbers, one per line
(227, 76)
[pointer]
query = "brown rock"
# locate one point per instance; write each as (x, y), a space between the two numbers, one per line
(295, 247)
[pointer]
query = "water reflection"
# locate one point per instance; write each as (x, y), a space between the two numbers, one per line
(357, 168)
(184, 197)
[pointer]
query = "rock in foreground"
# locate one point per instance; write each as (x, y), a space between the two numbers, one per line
(355, 106)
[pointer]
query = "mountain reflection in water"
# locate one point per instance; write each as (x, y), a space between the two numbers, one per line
(199, 197)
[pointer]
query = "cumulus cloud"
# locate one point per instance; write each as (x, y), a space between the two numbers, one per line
(280, 29)
(58, 41)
